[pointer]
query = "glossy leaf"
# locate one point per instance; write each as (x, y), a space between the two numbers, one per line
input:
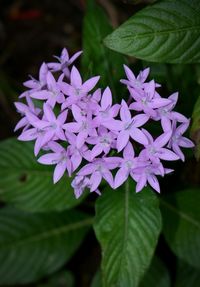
(27, 184)
(97, 59)
(157, 275)
(168, 31)
(34, 245)
(127, 226)
(181, 224)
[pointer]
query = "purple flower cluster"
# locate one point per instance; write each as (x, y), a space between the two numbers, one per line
(80, 129)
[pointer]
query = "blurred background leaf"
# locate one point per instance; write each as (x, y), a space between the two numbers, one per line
(34, 245)
(168, 31)
(181, 224)
(195, 128)
(157, 275)
(187, 275)
(127, 226)
(28, 185)
(97, 59)
(60, 279)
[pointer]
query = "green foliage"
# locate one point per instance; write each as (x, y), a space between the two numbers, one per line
(157, 275)
(181, 224)
(60, 279)
(195, 128)
(34, 245)
(187, 276)
(127, 226)
(27, 184)
(168, 31)
(97, 59)
(96, 282)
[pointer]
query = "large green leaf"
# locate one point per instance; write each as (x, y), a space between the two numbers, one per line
(127, 226)
(157, 275)
(181, 224)
(34, 245)
(97, 59)
(195, 128)
(168, 31)
(27, 184)
(187, 276)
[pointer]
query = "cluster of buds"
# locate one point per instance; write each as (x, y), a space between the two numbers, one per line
(79, 129)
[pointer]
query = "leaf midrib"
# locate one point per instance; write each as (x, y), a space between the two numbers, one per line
(155, 33)
(125, 236)
(47, 234)
(181, 214)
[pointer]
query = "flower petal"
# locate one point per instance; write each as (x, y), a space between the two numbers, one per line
(152, 180)
(122, 140)
(125, 114)
(75, 77)
(106, 100)
(166, 154)
(59, 171)
(49, 114)
(95, 180)
(90, 84)
(120, 177)
(140, 120)
(138, 136)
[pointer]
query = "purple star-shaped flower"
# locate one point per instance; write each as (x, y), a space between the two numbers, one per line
(83, 126)
(147, 100)
(135, 82)
(23, 109)
(128, 127)
(58, 157)
(103, 142)
(76, 154)
(166, 114)
(98, 169)
(52, 94)
(46, 129)
(77, 89)
(147, 174)
(127, 164)
(38, 84)
(105, 111)
(80, 183)
(177, 140)
(64, 62)
(155, 150)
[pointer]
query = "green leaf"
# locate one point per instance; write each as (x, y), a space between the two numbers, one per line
(157, 275)
(127, 226)
(97, 59)
(27, 184)
(60, 279)
(168, 31)
(96, 282)
(34, 245)
(181, 224)
(187, 276)
(195, 128)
